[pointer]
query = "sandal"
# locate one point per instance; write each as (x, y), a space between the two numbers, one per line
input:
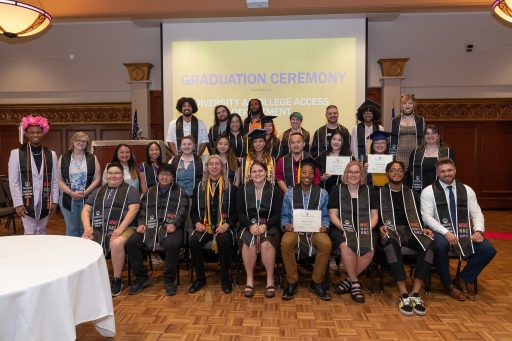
(249, 291)
(344, 287)
(356, 292)
(270, 291)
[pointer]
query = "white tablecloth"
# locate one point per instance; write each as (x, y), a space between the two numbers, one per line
(49, 284)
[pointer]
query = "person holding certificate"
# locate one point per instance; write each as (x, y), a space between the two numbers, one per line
(375, 162)
(305, 222)
(336, 157)
(354, 212)
(259, 212)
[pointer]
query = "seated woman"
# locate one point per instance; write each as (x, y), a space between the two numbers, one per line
(422, 162)
(115, 205)
(379, 146)
(149, 169)
(258, 151)
(229, 159)
(273, 141)
(79, 175)
(259, 212)
(354, 212)
(161, 222)
(334, 148)
(123, 155)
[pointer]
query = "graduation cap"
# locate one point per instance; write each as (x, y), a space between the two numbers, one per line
(267, 119)
(257, 133)
(379, 135)
(370, 106)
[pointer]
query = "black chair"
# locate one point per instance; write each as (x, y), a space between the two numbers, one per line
(6, 206)
(451, 255)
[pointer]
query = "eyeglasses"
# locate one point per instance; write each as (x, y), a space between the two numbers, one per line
(394, 170)
(354, 172)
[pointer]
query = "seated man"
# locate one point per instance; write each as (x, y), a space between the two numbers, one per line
(307, 196)
(401, 226)
(164, 209)
(450, 209)
(213, 215)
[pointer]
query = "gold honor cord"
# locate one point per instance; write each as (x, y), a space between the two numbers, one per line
(208, 218)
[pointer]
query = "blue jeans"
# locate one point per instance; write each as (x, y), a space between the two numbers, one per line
(74, 226)
(484, 253)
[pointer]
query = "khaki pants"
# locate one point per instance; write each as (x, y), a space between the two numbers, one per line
(320, 241)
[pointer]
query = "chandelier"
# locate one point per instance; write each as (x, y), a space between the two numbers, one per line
(19, 19)
(503, 9)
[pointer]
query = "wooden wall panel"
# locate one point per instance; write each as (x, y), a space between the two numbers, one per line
(496, 169)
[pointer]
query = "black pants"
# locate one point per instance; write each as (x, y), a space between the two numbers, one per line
(396, 263)
(225, 242)
(171, 247)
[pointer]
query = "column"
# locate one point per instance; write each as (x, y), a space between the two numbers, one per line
(139, 82)
(392, 75)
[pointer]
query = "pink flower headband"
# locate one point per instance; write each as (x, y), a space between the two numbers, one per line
(30, 120)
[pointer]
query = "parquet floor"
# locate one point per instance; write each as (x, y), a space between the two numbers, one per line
(211, 315)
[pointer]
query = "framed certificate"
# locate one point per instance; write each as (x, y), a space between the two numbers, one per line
(335, 165)
(307, 220)
(377, 162)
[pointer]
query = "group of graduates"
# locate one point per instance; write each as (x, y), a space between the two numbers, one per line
(245, 192)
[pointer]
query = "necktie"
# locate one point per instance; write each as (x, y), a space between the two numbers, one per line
(453, 207)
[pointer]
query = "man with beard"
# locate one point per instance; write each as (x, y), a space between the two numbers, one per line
(323, 134)
(451, 210)
(401, 226)
(185, 125)
(221, 113)
(254, 116)
(33, 177)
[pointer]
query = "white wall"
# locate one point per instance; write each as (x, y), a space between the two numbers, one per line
(439, 66)
(40, 70)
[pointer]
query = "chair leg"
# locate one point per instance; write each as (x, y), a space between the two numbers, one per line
(428, 283)
(129, 271)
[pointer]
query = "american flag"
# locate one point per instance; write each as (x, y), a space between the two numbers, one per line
(135, 127)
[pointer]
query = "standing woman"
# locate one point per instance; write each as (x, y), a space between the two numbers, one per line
(368, 116)
(148, 170)
(354, 211)
(259, 212)
(79, 175)
(123, 155)
(334, 148)
(189, 166)
(406, 131)
(229, 160)
(422, 162)
(258, 151)
(234, 132)
(115, 206)
(295, 123)
(273, 141)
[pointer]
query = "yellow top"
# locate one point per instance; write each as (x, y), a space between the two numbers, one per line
(379, 179)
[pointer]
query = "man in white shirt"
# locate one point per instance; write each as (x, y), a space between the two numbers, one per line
(185, 125)
(450, 209)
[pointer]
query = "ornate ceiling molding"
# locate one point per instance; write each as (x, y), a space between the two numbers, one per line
(105, 113)
(474, 109)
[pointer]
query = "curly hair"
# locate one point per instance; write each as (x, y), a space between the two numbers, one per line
(189, 100)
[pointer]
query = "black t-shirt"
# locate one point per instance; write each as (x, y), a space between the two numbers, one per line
(334, 201)
(398, 205)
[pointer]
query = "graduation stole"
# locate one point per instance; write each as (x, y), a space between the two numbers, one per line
(198, 167)
(65, 162)
(359, 239)
(417, 167)
(313, 204)
(115, 215)
(387, 213)
(237, 144)
(27, 182)
(289, 169)
(258, 214)
(361, 140)
(157, 218)
(149, 174)
(273, 146)
(395, 132)
(463, 229)
(194, 131)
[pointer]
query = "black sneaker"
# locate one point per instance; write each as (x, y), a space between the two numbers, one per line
(171, 289)
(116, 286)
(140, 283)
(405, 305)
(417, 304)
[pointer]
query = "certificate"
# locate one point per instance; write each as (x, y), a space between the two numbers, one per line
(335, 165)
(377, 162)
(307, 220)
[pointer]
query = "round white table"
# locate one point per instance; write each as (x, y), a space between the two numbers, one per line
(49, 284)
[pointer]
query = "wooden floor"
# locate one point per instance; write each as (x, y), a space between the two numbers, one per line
(211, 315)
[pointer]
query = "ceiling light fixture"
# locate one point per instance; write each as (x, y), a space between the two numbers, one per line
(503, 9)
(19, 19)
